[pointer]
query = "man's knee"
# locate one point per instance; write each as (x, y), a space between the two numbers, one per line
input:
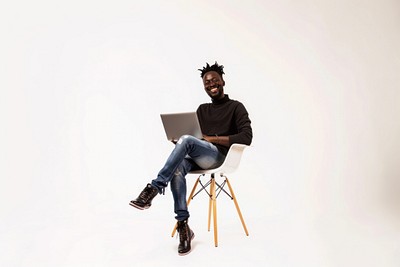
(186, 139)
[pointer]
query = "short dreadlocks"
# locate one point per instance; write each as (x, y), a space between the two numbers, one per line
(217, 68)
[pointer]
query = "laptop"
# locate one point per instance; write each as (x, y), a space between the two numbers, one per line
(178, 124)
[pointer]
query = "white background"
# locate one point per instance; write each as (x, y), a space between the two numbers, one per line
(82, 85)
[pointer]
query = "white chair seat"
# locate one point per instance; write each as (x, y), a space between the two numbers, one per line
(230, 164)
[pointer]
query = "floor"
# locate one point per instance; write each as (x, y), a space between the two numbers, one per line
(112, 233)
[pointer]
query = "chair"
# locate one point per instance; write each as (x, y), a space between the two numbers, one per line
(229, 165)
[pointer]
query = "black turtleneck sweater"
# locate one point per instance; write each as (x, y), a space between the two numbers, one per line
(226, 117)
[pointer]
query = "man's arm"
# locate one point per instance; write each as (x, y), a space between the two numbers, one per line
(218, 140)
(243, 124)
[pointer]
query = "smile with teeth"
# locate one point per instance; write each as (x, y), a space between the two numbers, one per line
(213, 89)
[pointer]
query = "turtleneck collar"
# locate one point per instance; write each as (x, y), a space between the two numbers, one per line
(220, 101)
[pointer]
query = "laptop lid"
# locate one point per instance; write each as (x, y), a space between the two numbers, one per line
(178, 124)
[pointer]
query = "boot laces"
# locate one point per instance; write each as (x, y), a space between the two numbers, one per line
(146, 194)
(183, 231)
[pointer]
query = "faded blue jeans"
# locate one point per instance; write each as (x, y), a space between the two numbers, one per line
(190, 153)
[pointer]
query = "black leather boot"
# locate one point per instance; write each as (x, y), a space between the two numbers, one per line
(185, 237)
(143, 201)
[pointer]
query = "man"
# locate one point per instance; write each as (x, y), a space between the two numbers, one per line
(223, 122)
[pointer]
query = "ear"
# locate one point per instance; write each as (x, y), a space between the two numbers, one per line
(223, 82)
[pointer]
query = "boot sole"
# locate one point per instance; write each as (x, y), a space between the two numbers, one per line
(138, 207)
(183, 254)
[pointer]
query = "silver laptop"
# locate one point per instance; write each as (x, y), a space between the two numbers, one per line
(178, 124)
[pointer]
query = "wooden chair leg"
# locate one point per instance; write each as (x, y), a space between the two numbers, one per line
(214, 200)
(210, 202)
(188, 202)
(237, 206)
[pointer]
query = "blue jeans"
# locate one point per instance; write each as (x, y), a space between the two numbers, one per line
(190, 153)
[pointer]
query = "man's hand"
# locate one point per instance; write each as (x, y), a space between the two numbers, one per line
(207, 138)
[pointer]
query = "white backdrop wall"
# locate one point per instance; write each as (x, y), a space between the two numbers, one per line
(83, 82)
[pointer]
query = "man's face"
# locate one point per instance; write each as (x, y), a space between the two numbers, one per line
(214, 85)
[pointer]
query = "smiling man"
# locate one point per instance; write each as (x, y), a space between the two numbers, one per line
(223, 122)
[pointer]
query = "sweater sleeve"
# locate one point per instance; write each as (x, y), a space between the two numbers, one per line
(243, 124)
